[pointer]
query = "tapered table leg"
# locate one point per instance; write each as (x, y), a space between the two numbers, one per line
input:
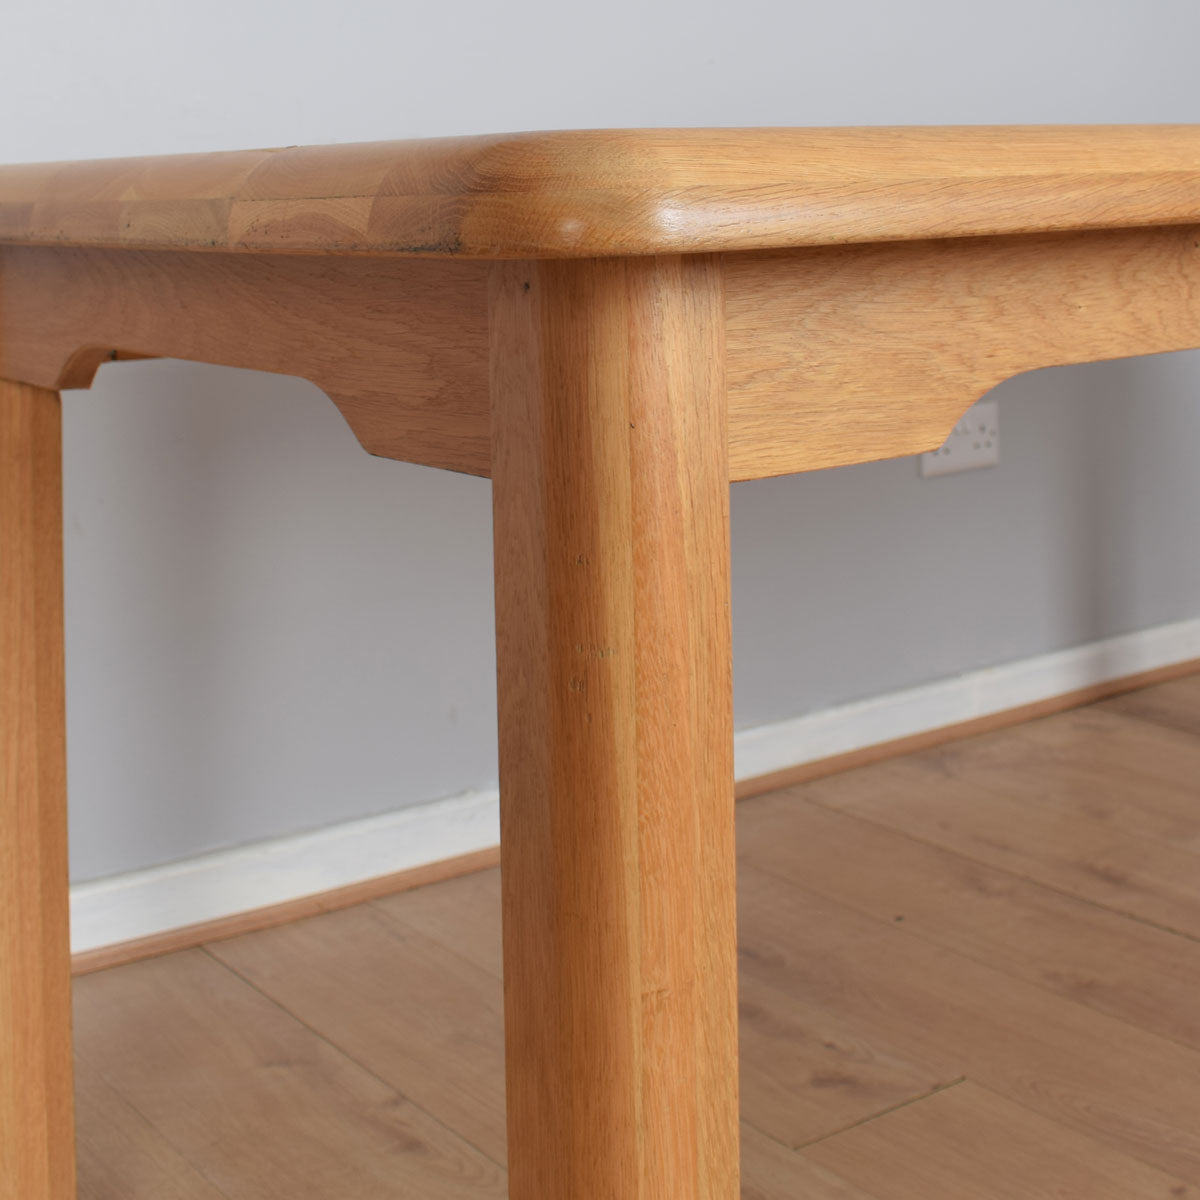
(37, 1145)
(612, 597)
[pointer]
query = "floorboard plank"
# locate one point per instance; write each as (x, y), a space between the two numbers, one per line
(121, 1155)
(433, 1029)
(463, 914)
(1107, 1079)
(1089, 954)
(1175, 704)
(1134, 776)
(424, 1019)
(255, 1100)
(1101, 768)
(967, 1142)
(773, 1172)
(806, 1072)
(1027, 835)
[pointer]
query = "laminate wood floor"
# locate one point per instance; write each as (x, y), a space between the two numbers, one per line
(972, 973)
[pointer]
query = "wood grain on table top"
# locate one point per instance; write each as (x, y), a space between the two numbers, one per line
(617, 192)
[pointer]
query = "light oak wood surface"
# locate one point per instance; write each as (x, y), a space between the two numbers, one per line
(36, 1132)
(834, 355)
(849, 353)
(603, 193)
(399, 346)
(616, 738)
(667, 310)
(851, 339)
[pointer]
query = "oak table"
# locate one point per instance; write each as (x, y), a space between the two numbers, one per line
(612, 325)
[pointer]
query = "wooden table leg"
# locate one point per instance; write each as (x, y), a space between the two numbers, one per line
(37, 1142)
(612, 597)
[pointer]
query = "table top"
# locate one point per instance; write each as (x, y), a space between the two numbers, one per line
(616, 192)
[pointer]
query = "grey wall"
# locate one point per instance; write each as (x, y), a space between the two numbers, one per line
(270, 631)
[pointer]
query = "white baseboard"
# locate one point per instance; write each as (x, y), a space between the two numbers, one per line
(208, 887)
(222, 884)
(767, 748)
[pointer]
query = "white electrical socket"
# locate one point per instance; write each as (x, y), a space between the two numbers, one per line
(975, 442)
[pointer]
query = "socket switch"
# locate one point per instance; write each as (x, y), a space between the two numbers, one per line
(974, 443)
